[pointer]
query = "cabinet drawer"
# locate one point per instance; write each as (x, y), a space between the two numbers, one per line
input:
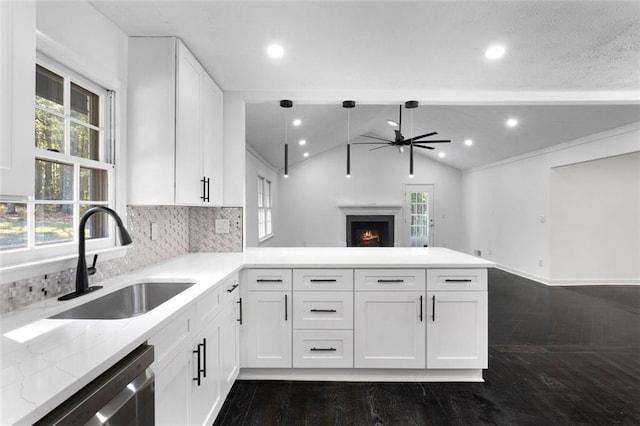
(457, 279)
(390, 280)
(322, 349)
(269, 279)
(323, 279)
(322, 310)
(209, 305)
(171, 339)
(231, 287)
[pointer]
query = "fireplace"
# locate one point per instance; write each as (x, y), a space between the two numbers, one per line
(370, 230)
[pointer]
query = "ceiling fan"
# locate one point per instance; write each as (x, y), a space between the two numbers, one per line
(400, 142)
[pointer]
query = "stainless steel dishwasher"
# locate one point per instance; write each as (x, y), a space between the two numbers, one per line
(123, 395)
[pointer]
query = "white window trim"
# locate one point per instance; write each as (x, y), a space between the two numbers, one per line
(28, 262)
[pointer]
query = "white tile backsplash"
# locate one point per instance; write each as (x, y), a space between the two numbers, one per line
(180, 230)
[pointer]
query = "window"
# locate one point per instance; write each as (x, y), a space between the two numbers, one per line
(265, 229)
(74, 168)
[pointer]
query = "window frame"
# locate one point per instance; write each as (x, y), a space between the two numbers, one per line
(265, 209)
(106, 161)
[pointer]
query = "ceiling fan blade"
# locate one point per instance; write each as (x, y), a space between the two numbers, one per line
(380, 147)
(434, 141)
(369, 143)
(375, 137)
(420, 137)
(425, 147)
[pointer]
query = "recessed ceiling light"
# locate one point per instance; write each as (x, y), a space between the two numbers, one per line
(392, 123)
(494, 52)
(302, 142)
(512, 122)
(441, 154)
(275, 51)
(297, 122)
(306, 154)
(468, 142)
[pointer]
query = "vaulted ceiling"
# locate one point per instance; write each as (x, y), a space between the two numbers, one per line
(559, 51)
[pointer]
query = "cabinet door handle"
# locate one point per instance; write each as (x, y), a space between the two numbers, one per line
(208, 190)
(233, 287)
(323, 280)
(197, 379)
(239, 302)
(433, 308)
(204, 357)
(204, 188)
(420, 308)
(323, 349)
(285, 308)
(322, 310)
(451, 280)
(390, 281)
(265, 280)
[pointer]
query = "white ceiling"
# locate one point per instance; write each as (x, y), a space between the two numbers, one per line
(572, 47)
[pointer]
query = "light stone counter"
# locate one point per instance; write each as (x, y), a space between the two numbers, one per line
(43, 362)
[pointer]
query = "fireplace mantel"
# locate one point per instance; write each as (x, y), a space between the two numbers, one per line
(374, 209)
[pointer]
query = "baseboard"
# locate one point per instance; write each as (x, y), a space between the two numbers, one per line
(567, 282)
(361, 375)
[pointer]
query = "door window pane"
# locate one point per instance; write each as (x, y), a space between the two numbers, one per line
(49, 90)
(85, 142)
(54, 181)
(93, 184)
(49, 131)
(53, 223)
(85, 105)
(13, 225)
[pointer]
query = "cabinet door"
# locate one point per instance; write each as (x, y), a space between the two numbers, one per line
(389, 330)
(207, 395)
(173, 390)
(188, 168)
(457, 329)
(230, 344)
(269, 329)
(212, 139)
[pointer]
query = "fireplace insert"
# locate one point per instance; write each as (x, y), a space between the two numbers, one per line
(370, 230)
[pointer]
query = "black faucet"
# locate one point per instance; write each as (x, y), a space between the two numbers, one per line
(82, 278)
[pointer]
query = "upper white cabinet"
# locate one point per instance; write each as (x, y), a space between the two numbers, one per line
(17, 85)
(174, 127)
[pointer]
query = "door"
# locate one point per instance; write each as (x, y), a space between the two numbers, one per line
(389, 330)
(269, 329)
(457, 329)
(418, 216)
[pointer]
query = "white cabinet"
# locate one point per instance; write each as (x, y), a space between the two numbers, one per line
(173, 390)
(269, 329)
(457, 319)
(231, 321)
(457, 329)
(206, 394)
(17, 85)
(175, 131)
(389, 330)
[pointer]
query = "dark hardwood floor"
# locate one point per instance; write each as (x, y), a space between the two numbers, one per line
(557, 356)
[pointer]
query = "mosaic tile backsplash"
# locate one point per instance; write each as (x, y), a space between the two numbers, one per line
(180, 230)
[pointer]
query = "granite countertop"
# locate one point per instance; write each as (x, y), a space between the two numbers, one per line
(43, 361)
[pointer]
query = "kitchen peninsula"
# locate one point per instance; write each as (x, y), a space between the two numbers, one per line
(412, 314)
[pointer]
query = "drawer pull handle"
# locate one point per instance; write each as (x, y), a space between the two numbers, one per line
(262, 280)
(323, 280)
(323, 349)
(233, 287)
(323, 310)
(391, 281)
(458, 281)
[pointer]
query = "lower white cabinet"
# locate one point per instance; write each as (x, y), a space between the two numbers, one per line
(173, 390)
(323, 349)
(206, 386)
(231, 342)
(389, 330)
(457, 325)
(269, 320)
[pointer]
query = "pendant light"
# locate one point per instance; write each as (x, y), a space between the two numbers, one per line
(286, 104)
(348, 105)
(411, 105)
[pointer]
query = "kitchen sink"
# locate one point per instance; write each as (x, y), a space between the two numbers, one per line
(127, 302)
